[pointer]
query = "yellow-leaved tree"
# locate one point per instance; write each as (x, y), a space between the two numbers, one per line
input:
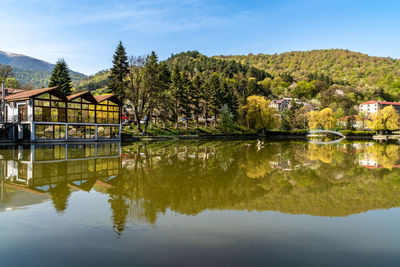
(386, 119)
(321, 119)
(326, 119)
(259, 115)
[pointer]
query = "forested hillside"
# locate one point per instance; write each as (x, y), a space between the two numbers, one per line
(356, 69)
(39, 79)
(98, 82)
(31, 71)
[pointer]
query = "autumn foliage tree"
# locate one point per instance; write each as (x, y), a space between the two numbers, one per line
(321, 119)
(259, 115)
(386, 119)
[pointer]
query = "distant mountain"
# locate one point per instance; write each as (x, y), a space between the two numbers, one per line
(32, 71)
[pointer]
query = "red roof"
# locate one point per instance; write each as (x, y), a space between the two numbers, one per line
(86, 95)
(31, 93)
(101, 98)
(12, 90)
(278, 101)
(382, 103)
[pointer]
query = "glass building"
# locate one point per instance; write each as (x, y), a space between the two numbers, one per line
(47, 114)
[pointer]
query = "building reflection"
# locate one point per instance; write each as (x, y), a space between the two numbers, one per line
(53, 171)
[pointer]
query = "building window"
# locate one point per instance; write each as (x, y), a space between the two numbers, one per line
(49, 131)
(81, 131)
(107, 132)
(49, 108)
(107, 112)
(81, 111)
(22, 113)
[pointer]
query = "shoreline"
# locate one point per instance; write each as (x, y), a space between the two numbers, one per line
(180, 138)
(229, 137)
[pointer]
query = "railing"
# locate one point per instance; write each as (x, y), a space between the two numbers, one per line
(326, 131)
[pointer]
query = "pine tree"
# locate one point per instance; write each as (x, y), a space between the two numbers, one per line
(176, 89)
(185, 98)
(197, 96)
(215, 99)
(120, 69)
(60, 77)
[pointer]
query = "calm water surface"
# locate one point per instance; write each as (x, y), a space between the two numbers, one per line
(200, 204)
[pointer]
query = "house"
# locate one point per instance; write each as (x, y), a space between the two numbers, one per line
(280, 104)
(372, 107)
(47, 114)
(286, 103)
(357, 123)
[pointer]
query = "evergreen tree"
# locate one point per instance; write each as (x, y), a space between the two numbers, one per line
(215, 97)
(119, 71)
(154, 84)
(176, 91)
(60, 77)
(185, 98)
(197, 96)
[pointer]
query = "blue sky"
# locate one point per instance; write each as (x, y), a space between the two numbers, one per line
(86, 32)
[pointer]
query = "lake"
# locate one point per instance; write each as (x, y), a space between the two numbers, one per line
(194, 203)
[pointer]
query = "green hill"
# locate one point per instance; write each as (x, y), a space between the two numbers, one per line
(357, 69)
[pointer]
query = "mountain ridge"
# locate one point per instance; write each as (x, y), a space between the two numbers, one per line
(32, 71)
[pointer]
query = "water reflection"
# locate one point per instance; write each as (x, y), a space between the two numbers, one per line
(54, 171)
(144, 180)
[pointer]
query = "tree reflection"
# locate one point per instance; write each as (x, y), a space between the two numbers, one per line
(59, 196)
(192, 177)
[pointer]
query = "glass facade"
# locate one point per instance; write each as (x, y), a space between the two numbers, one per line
(49, 108)
(107, 112)
(49, 131)
(104, 132)
(76, 112)
(81, 132)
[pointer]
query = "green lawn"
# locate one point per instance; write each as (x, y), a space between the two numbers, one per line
(170, 130)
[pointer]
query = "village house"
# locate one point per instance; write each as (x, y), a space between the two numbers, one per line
(286, 103)
(372, 107)
(47, 114)
(355, 120)
(280, 104)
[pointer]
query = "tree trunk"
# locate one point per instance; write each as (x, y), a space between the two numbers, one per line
(215, 121)
(137, 119)
(186, 123)
(146, 124)
(206, 117)
(197, 122)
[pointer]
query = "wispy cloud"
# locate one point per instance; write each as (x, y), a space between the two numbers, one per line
(155, 16)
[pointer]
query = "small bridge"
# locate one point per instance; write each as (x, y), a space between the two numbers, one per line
(326, 142)
(326, 131)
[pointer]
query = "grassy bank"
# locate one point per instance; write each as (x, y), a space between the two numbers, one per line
(156, 130)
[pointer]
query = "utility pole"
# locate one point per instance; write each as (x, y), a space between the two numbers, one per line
(2, 102)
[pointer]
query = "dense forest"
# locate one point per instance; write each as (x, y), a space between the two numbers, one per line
(39, 79)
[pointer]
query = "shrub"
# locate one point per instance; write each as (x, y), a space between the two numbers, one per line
(357, 133)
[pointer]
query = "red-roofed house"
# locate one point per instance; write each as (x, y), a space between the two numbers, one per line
(372, 107)
(280, 104)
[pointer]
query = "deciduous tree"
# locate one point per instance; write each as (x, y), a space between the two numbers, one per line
(386, 119)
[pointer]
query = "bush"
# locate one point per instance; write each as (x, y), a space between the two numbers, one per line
(293, 132)
(357, 133)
